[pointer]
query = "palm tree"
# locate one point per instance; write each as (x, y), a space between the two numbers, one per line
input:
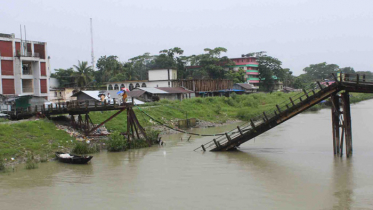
(83, 74)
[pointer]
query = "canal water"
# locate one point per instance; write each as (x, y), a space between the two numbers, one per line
(289, 167)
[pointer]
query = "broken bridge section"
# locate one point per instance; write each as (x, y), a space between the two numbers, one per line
(341, 115)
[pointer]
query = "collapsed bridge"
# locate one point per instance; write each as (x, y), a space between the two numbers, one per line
(341, 115)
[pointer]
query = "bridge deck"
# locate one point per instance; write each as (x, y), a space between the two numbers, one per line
(72, 108)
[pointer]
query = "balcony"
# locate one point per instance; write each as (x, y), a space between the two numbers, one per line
(27, 86)
(26, 68)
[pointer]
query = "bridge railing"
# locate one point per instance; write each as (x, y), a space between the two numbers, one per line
(266, 116)
(356, 78)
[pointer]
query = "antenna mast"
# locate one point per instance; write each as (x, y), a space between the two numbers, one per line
(92, 53)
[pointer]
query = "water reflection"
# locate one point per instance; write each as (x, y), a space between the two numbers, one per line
(343, 183)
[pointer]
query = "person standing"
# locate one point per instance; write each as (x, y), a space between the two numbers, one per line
(108, 98)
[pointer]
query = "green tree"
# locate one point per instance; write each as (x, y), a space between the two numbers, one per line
(321, 71)
(138, 66)
(236, 76)
(212, 63)
(268, 68)
(348, 70)
(65, 77)
(108, 66)
(83, 74)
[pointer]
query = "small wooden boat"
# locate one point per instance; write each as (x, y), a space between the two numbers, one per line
(74, 159)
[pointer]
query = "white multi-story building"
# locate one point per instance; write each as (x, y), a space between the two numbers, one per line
(24, 67)
(156, 78)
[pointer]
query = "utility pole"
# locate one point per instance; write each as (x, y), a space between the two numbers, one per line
(92, 53)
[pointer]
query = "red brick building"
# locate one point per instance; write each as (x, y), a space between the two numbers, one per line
(24, 67)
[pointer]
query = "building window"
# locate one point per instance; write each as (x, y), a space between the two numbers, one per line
(60, 94)
(137, 85)
(143, 85)
(110, 87)
(130, 86)
(55, 94)
(122, 86)
(116, 87)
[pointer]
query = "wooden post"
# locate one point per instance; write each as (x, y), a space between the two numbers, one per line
(228, 137)
(252, 124)
(357, 79)
(278, 108)
(265, 116)
(335, 122)
(363, 77)
(305, 92)
(291, 100)
(347, 122)
(318, 83)
(216, 143)
(239, 130)
(203, 147)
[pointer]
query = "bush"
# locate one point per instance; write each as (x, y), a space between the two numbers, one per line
(137, 143)
(199, 100)
(84, 148)
(2, 164)
(152, 135)
(31, 162)
(116, 142)
(217, 109)
(234, 96)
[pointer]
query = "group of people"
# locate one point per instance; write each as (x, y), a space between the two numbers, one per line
(107, 97)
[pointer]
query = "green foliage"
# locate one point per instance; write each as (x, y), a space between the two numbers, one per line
(84, 148)
(116, 142)
(31, 163)
(217, 109)
(321, 71)
(137, 144)
(83, 74)
(152, 134)
(65, 77)
(236, 76)
(2, 164)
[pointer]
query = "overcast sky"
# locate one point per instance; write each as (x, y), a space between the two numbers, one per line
(298, 32)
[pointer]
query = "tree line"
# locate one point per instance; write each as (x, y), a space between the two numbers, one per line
(209, 65)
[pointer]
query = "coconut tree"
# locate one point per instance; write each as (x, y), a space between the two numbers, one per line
(83, 74)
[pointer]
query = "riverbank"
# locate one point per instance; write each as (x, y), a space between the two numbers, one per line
(214, 110)
(42, 138)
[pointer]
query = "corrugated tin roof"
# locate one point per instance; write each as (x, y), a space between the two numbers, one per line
(247, 86)
(153, 90)
(92, 93)
(175, 90)
(135, 93)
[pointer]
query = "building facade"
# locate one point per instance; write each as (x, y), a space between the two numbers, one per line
(250, 66)
(156, 78)
(24, 67)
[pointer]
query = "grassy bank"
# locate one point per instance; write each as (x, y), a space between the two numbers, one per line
(41, 138)
(212, 109)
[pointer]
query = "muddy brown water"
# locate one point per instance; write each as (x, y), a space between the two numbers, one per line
(289, 167)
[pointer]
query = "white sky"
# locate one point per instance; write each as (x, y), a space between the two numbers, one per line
(298, 32)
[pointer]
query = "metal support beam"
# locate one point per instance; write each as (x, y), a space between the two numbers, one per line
(114, 115)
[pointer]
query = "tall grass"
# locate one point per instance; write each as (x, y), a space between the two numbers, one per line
(39, 137)
(2, 165)
(31, 163)
(82, 148)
